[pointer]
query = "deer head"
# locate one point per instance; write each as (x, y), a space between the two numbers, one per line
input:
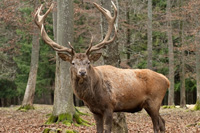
(80, 61)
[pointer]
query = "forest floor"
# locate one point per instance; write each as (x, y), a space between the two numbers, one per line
(177, 121)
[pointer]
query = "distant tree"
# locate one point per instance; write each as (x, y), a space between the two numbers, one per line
(30, 87)
(182, 90)
(197, 42)
(197, 106)
(171, 54)
(149, 29)
(182, 36)
(128, 31)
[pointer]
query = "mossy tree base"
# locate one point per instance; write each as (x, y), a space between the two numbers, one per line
(49, 130)
(26, 108)
(68, 119)
(197, 106)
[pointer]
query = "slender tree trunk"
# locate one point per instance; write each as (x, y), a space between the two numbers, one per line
(54, 14)
(128, 41)
(182, 91)
(149, 29)
(197, 41)
(111, 57)
(30, 88)
(63, 95)
(171, 55)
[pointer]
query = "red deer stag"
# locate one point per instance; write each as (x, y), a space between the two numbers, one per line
(107, 89)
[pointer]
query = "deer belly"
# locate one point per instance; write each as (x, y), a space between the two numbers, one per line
(129, 107)
(129, 103)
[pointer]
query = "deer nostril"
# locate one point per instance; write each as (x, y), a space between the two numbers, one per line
(82, 73)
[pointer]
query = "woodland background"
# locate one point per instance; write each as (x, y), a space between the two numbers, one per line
(17, 33)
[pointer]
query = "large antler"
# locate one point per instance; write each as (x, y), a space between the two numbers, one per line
(111, 21)
(39, 20)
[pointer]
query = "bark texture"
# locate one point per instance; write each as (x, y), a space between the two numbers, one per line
(197, 106)
(171, 55)
(182, 91)
(63, 95)
(149, 30)
(128, 32)
(30, 88)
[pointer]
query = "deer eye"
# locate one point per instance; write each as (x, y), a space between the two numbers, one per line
(72, 63)
(88, 62)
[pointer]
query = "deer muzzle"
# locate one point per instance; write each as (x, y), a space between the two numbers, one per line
(82, 72)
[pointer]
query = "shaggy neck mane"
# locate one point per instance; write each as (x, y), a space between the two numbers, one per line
(85, 87)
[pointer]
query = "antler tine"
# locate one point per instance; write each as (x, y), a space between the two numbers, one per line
(39, 20)
(111, 21)
(102, 44)
(72, 48)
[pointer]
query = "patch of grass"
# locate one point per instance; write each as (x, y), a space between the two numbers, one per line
(197, 105)
(49, 130)
(168, 107)
(71, 131)
(26, 108)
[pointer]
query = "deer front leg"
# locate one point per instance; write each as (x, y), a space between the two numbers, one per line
(99, 122)
(108, 116)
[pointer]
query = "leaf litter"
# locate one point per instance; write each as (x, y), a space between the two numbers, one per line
(177, 120)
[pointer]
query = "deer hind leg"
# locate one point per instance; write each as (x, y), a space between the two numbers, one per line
(108, 116)
(99, 123)
(155, 120)
(161, 124)
(153, 111)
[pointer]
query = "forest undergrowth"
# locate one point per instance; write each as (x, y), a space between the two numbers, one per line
(177, 121)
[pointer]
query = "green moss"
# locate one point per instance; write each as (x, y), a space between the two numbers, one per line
(49, 130)
(197, 105)
(26, 108)
(67, 123)
(80, 113)
(81, 121)
(48, 115)
(58, 130)
(46, 130)
(168, 107)
(64, 117)
(52, 119)
(68, 119)
(71, 131)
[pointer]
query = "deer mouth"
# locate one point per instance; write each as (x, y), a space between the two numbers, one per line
(82, 76)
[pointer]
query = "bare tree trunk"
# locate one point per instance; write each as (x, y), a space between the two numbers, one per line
(197, 41)
(128, 41)
(63, 107)
(171, 55)
(182, 95)
(111, 57)
(149, 29)
(63, 95)
(30, 88)
(182, 90)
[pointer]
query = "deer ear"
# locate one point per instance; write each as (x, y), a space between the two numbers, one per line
(65, 57)
(94, 57)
